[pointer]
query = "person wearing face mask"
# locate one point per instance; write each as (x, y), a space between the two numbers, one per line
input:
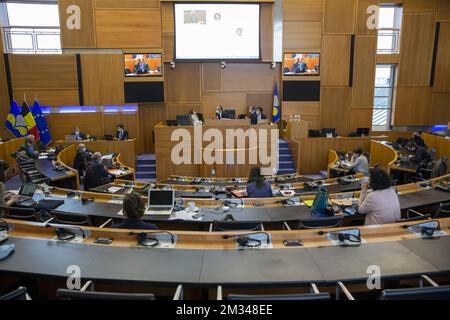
(78, 134)
(253, 115)
(122, 134)
(82, 158)
(219, 113)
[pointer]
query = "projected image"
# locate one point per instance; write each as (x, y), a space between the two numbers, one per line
(301, 64)
(216, 31)
(142, 65)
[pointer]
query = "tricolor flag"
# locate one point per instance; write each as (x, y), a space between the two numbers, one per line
(29, 120)
(15, 123)
(41, 123)
(276, 114)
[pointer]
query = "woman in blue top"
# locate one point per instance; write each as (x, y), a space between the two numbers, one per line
(257, 187)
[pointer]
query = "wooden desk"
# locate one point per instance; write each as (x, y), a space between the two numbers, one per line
(441, 144)
(127, 148)
(382, 155)
(296, 129)
(8, 147)
(164, 146)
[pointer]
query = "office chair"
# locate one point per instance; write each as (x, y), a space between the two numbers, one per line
(20, 293)
(313, 295)
(71, 218)
(413, 215)
(433, 292)
(443, 211)
(321, 223)
(24, 214)
(235, 226)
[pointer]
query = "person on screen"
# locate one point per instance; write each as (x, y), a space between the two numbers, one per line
(121, 134)
(141, 67)
(360, 163)
(96, 173)
(257, 187)
(133, 209)
(29, 147)
(219, 113)
(253, 115)
(78, 134)
(299, 66)
(381, 205)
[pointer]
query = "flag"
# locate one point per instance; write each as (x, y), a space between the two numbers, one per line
(276, 114)
(29, 120)
(41, 123)
(15, 122)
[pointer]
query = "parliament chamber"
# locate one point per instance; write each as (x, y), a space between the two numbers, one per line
(199, 151)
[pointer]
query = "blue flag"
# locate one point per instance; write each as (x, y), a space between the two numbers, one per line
(15, 122)
(276, 115)
(41, 123)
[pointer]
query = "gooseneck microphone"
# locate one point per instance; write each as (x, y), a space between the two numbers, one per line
(231, 236)
(143, 235)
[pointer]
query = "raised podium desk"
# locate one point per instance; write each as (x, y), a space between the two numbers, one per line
(168, 137)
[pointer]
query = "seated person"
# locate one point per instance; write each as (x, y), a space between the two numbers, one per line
(381, 205)
(82, 158)
(299, 66)
(122, 134)
(422, 154)
(260, 114)
(141, 67)
(194, 118)
(78, 134)
(360, 163)
(29, 147)
(415, 139)
(440, 168)
(96, 173)
(219, 113)
(253, 115)
(6, 199)
(133, 210)
(257, 187)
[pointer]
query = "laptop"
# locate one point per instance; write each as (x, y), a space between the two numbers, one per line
(160, 202)
(26, 194)
(108, 137)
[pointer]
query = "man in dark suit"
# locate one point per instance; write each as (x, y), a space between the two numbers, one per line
(122, 134)
(422, 154)
(78, 134)
(82, 158)
(133, 210)
(253, 115)
(96, 174)
(299, 66)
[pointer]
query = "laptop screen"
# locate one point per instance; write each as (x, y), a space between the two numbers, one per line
(28, 189)
(160, 198)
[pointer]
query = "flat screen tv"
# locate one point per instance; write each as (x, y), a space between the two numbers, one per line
(142, 64)
(301, 64)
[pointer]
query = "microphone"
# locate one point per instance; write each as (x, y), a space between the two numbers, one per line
(145, 234)
(59, 228)
(231, 236)
(342, 235)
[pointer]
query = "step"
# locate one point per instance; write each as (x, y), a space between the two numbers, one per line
(145, 167)
(286, 171)
(145, 176)
(139, 161)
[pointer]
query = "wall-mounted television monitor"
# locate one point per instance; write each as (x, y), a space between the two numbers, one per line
(217, 31)
(143, 64)
(301, 64)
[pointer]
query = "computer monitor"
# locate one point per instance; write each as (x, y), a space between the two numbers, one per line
(28, 189)
(362, 131)
(108, 137)
(313, 133)
(171, 123)
(229, 114)
(327, 131)
(184, 120)
(158, 198)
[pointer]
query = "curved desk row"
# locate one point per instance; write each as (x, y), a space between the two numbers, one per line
(205, 259)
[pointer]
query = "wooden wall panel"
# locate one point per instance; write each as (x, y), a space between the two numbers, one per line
(360, 118)
(50, 97)
(338, 16)
(128, 28)
(362, 16)
(420, 6)
(444, 10)
(335, 109)
(442, 71)
(308, 111)
(174, 109)
(364, 71)
(231, 100)
(211, 77)
(149, 116)
(130, 120)
(412, 106)
(111, 78)
(305, 10)
(440, 109)
(251, 77)
(126, 4)
(78, 38)
(302, 35)
(90, 79)
(335, 60)
(416, 49)
(168, 44)
(183, 84)
(266, 30)
(43, 71)
(167, 17)
(62, 124)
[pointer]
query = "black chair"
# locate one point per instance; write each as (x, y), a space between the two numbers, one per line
(25, 214)
(71, 218)
(413, 215)
(322, 222)
(235, 226)
(20, 293)
(313, 295)
(433, 292)
(443, 211)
